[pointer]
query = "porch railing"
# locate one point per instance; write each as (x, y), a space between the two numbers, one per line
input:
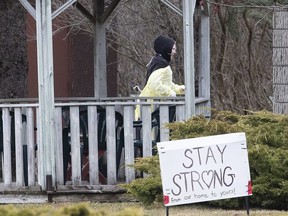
(94, 140)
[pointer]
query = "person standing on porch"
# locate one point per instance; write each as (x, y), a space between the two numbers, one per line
(159, 73)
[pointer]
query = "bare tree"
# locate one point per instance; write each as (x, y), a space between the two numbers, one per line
(132, 27)
(241, 56)
(136, 33)
(241, 53)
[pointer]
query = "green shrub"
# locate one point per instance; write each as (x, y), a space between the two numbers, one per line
(81, 209)
(76, 210)
(267, 139)
(148, 189)
(10, 210)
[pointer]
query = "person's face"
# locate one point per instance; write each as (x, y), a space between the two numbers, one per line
(174, 50)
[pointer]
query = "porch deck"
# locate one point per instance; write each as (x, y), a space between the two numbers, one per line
(94, 142)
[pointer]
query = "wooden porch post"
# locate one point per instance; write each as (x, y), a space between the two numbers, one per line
(100, 74)
(189, 69)
(45, 114)
(45, 91)
(204, 63)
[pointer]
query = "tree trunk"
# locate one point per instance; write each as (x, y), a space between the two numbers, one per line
(13, 50)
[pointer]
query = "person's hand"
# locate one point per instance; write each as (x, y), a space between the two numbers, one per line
(182, 89)
(173, 94)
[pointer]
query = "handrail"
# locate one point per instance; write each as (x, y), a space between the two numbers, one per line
(104, 101)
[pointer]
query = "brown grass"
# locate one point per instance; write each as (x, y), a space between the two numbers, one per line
(159, 209)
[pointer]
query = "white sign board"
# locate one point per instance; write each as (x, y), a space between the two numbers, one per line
(204, 169)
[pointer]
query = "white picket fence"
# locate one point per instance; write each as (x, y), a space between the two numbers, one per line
(82, 129)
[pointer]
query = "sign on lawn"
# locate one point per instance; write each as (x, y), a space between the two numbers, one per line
(204, 169)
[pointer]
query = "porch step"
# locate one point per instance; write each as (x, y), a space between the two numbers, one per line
(80, 196)
(23, 198)
(21, 195)
(105, 193)
(64, 193)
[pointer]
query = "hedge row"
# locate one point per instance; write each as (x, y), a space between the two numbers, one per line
(267, 139)
(81, 209)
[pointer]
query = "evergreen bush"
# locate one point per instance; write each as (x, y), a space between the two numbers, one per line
(267, 140)
(81, 209)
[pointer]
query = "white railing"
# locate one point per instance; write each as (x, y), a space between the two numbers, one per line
(94, 141)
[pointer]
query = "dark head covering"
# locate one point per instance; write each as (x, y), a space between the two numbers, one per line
(163, 47)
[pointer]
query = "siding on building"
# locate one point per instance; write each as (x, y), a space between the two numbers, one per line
(73, 64)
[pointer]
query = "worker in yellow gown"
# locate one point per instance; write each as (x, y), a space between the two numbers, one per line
(159, 73)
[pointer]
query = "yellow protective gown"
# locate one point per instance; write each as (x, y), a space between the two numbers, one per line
(160, 84)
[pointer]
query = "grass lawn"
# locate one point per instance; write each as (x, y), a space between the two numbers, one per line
(159, 209)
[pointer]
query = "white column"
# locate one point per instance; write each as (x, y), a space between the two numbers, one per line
(204, 64)
(189, 69)
(45, 89)
(100, 74)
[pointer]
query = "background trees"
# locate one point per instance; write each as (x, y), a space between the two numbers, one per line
(241, 46)
(13, 52)
(241, 50)
(131, 31)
